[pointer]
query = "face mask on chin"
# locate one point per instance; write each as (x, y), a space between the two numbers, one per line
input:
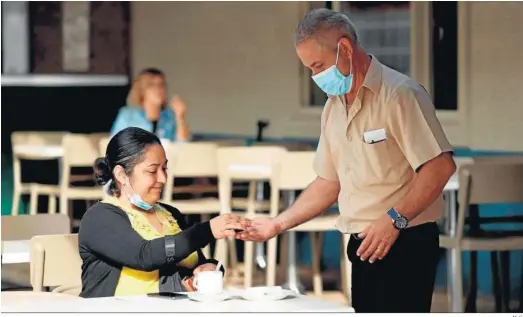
(134, 198)
(332, 81)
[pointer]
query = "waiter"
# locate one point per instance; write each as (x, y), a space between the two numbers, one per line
(384, 156)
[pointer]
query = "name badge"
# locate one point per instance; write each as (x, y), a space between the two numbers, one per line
(375, 136)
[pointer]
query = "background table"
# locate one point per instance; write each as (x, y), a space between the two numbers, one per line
(17, 251)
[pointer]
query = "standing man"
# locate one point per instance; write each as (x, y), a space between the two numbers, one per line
(383, 154)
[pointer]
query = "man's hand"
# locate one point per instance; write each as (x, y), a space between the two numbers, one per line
(204, 267)
(260, 229)
(379, 238)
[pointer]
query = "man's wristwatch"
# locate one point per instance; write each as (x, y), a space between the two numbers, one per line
(398, 221)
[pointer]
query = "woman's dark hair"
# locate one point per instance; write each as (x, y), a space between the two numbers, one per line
(126, 148)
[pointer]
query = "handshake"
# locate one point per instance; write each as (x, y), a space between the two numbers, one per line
(231, 225)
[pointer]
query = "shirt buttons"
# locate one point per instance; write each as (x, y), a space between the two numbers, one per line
(350, 138)
(347, 169)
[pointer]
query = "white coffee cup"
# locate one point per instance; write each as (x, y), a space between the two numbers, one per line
(209, 282)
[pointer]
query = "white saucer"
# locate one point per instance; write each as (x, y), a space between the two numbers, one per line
(266, 293)
(199, 297)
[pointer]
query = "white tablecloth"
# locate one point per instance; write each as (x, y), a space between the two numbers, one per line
(16, 252)
(144, 304)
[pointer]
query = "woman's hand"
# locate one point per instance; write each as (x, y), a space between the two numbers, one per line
(179, 107)
(187, 283)
(204, 267)
(225, 225)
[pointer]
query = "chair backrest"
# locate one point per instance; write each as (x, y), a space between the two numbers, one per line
(102, 145)
(37, 137)
(225, 143)
(55, 261)
(296, 170)
(80, 150)
(189, 160)
(249, 162)
(500, 159)
(24, 227)
(192, 159)
(483, 183)
(289, 146)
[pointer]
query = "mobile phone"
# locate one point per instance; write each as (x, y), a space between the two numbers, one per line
(168, 295)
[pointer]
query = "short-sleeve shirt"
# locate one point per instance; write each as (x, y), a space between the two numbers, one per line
(374, 177)
(132, 116)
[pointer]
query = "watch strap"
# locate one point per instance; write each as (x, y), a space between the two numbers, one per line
(170, 249)
(393, 214)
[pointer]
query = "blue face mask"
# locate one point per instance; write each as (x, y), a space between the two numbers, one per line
(332, 81)
(136, 200)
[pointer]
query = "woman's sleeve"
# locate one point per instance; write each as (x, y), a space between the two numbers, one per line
(121, 122)
(183, 225)
(107, 232)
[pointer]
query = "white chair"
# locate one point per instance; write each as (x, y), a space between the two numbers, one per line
(192, 160)
(296, 173)
(249, 164)
(80, 150)
(24, 227)
(33, 145)
(55, 262)
(483, 183)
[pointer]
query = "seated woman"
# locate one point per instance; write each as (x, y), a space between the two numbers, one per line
(131, 244)
(146, 108)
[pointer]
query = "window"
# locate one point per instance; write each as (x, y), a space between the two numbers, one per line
(445, 54)
(383, 29)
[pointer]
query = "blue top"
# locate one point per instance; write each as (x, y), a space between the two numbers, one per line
(130, 116)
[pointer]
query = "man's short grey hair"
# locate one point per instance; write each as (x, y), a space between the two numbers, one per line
(317, 21)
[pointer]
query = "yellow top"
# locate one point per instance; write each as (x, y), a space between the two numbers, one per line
(135, 282)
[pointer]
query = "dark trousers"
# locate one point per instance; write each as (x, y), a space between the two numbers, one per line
(403, 282)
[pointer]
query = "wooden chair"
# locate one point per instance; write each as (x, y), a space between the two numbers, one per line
(20, 141)
(24, 227)
(192, 160)
(55, 262)
(249, 164)
(80, 150)
(483, 183)
(296, 173)
(501, 273)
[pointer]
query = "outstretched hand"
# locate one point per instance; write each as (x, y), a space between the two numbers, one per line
(260, 229)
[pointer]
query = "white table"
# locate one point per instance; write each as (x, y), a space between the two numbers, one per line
(16, 251)
(144, 304)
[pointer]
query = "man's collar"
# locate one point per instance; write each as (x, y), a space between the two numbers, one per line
(373, 77)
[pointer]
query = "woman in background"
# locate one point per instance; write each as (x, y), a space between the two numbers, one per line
(146, 108)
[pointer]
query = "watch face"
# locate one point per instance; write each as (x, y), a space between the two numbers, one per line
(401, 223)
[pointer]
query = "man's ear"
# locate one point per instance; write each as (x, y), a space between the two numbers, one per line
(346, 47)
(119, 174)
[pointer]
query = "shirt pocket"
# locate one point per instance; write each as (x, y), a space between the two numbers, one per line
(378, 160)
